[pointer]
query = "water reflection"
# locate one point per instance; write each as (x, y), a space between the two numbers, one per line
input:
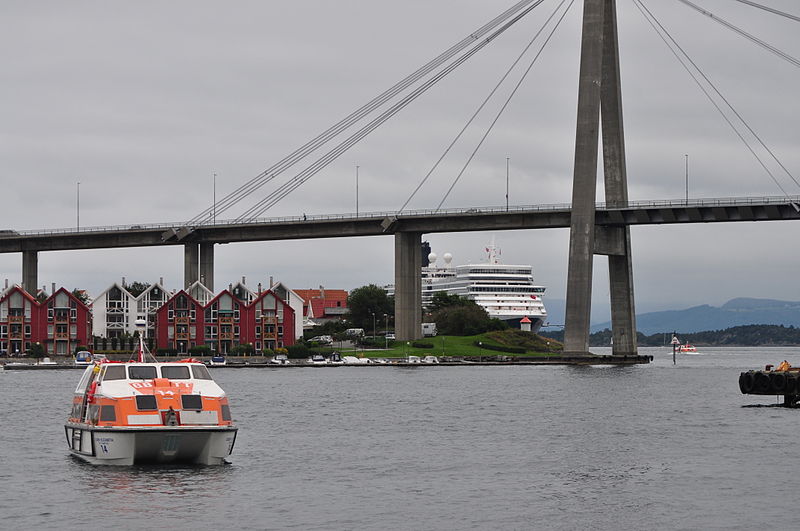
(130, 488)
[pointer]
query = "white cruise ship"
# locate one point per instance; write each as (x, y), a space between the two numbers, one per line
(505, 291)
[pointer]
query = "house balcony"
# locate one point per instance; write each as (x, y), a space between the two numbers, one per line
(16, 318)
(182, 336)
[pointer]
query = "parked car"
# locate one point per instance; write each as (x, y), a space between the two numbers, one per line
(390, 336)
(326, 340)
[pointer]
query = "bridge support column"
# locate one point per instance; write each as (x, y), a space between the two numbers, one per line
(407, 286)
(599, 93)
(620, 269)
(207, 265)
(30, 271)
(584, 183)
(191, 261)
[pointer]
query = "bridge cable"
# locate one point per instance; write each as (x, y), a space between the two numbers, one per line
(291, 185)
(270, 173)
(507, 102)
(780, 53)
(480, 108)
(654, 22)
(771, 10)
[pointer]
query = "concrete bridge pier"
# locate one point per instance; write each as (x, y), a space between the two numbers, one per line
(599, 92)
(30, 271)
(407, 286)
(620, 269)
(191, 263)
(207, 265)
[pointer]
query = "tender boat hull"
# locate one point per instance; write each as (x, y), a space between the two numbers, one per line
(203, 445)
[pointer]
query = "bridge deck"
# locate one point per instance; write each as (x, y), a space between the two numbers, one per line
(383, 223)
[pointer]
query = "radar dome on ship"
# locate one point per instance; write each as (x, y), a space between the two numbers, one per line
(448, 258)
(432, 258)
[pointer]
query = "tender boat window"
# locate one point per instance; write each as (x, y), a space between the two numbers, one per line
(141, 372)
(108, 414)
(146, 402)
(200, 372)
(192, 402)
(92, 414)
(180, 372)
(226, 412)
(114, 372)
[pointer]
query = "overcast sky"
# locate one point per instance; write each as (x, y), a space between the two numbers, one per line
(142, 102)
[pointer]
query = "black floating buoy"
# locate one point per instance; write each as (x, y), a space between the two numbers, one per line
(778, 381)
(746, 382)
(791, 383)
(761, 384)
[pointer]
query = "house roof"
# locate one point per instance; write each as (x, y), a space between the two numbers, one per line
(316, 301)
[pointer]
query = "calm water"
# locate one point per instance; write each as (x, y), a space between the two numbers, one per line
(651, 447)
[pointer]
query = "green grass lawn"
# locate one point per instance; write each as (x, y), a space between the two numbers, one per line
(442, 346)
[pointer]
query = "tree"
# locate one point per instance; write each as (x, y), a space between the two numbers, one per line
(36, 351)
(442, 300)
(81, 295)
(467, 319)
(366, 301)
(136, 288)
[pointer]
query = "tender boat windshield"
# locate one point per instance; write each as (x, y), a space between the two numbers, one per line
(114, 372)
(200, 372)
(142, 372)
(180, 372)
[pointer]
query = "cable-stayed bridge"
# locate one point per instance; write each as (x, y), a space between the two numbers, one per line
(594, 228)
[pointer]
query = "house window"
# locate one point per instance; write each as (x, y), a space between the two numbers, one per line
(170, 314)
(27, 330)
(3, 330)
(73, 314)
(49, 330)
(258, 331)
(192, 315)
(236, 330)
(236, 315)
(49, 314)
(258, 346)
(170, 332)
(280, 330)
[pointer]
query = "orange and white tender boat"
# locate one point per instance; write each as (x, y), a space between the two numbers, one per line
(134, 412)
(688, 348)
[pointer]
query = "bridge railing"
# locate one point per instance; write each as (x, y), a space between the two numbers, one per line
(380, 215)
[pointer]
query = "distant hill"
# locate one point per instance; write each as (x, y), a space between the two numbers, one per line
(735, 312)
(741, 336)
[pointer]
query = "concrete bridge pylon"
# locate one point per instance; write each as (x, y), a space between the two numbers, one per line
(599, 95)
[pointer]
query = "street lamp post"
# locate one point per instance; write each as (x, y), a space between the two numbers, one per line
(507, 165)
(687, 178)
(78, 222)
(386, 332)
(356, 190)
